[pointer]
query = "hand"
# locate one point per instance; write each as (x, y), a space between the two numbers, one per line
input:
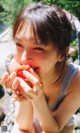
(8, 81)
(25, 89)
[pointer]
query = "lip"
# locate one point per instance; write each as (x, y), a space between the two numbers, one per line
(30, 63)
(35, 68)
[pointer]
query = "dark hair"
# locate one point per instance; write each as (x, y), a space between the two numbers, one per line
(49, 23)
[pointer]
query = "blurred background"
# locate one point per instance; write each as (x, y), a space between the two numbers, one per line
(8, 11)
(10, 8)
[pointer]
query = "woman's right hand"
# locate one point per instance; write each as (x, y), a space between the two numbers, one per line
(8, 81)
(22, 105)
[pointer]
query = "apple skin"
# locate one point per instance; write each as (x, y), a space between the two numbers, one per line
(19, 71)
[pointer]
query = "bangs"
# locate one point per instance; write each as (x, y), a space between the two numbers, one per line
(48, 25)
(19, 28)
(44, 26)
(19, 31)
(43, 32)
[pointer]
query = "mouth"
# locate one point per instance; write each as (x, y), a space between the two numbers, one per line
(35, 68)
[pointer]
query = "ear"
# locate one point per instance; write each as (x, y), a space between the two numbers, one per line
(61, 56)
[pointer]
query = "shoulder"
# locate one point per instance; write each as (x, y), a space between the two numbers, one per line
(76, 81)
(74, 88)
(76, 66)
(78, 73)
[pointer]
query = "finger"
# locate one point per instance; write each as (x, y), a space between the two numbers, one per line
(20, 88)
(15, 84)
(4, 79)
(13, 99)
(10, 80)
(24, 85)
(30, 77)
(17, 98)
(17, 89)
(17, 93)
(34, 73)
(37, 85)
(25, 89)
(22, 67)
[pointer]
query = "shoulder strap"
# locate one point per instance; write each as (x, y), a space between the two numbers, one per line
(71, 73)
(69, 76)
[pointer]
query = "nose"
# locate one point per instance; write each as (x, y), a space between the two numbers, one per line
(24, 57)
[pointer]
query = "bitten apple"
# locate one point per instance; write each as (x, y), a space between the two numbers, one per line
(19, 71)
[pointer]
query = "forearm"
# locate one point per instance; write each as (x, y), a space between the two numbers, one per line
(44, 116)
(16, 129)
(24, 114)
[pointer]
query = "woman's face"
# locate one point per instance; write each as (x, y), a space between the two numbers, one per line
(40, 57)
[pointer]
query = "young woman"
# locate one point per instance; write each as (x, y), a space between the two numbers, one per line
(51, 95)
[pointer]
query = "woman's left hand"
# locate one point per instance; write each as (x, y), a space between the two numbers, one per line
(25, 90)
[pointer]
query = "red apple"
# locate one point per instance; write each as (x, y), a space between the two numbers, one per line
(19, 71)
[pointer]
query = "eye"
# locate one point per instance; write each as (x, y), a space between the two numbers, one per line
(18, 45)
(38, 49)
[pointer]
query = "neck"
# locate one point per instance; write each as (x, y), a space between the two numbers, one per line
(54, 78)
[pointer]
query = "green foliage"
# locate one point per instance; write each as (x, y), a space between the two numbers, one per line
(74, 43)
(11, 9)
(77, 131)
(72, 6)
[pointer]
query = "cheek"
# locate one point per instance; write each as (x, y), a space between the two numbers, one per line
(18, 54)
(47, 64)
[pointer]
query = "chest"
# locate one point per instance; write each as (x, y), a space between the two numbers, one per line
(56, 93)
(53, 94)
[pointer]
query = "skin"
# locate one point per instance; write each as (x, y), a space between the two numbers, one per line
(44, 86)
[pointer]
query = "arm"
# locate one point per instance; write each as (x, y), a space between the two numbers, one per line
(66, 109)
(23, 107)
(24, 114)
(53, 122)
